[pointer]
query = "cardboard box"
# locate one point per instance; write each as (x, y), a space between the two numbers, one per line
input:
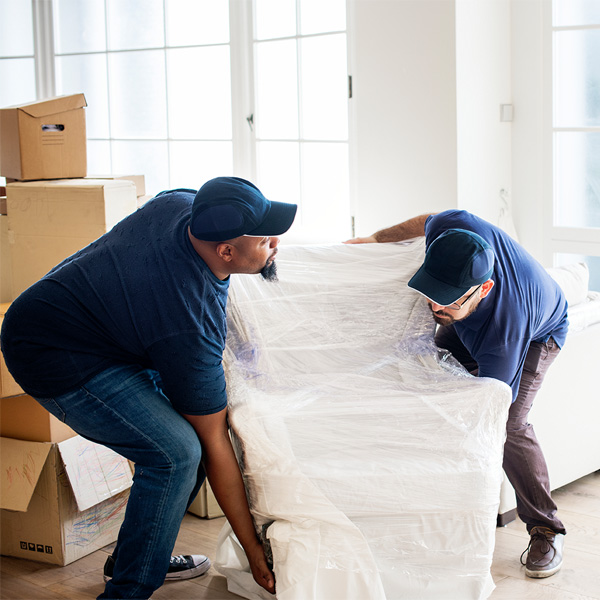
(138, 180)
(61, 501)
(143, 199)
(50, 220)
(205, 504)
(8, 386)
(6, 294)
(44, 139)
(22, 418)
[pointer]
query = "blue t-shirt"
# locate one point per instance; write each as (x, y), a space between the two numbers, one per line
(140, 295)
(524, 305)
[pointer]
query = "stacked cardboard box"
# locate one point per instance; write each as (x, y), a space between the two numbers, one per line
(52, 208)
(60, 501)
(44, 139)
(51, 510)
(50, 220)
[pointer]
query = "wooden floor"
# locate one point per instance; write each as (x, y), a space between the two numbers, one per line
(579, 579)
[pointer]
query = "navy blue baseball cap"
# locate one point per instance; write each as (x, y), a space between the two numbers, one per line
(228, 207)
(454, 262)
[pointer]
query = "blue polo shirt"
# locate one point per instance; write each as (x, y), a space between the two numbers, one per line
(524, 305)
(139, 295)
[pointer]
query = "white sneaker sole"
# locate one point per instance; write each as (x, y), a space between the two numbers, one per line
(200, 569)
(542, 574)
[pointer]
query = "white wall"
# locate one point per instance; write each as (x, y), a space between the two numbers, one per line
(403, 111)
(529, 146)
(429, 77)
(483, 83)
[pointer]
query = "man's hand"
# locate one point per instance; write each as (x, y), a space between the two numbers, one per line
(362, 240)
(227, 485)
(260, 570)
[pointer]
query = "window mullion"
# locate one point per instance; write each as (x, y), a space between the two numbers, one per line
(43, 46)
(242, 88)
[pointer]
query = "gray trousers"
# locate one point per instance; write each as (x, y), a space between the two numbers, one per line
(524, 462)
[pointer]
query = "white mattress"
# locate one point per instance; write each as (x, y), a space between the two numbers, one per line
(372, 464)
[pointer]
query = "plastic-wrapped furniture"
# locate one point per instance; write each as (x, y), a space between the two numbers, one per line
(372, 462)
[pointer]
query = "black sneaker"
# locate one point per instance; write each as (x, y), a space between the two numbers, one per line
(181, 567)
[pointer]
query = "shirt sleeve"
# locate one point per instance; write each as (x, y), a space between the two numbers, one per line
(191, 370)
(504, 363)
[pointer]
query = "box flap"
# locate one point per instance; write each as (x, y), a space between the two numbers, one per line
(52, 106)
(95, 472)
(69, 184)
(22, 464)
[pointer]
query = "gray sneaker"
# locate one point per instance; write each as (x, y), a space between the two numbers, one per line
(544, 553)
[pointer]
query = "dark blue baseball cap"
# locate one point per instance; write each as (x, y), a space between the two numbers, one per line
(454, 262)
(228, 207)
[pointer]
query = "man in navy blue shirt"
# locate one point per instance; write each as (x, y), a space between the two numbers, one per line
(502, 316)
(123, 341)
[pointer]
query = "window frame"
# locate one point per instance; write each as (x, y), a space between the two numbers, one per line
(559, 239)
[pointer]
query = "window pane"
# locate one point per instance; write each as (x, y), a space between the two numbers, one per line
(199, 88)
(279, 170)
(324, 88)
(98, 158)
(16, 28)
(18, 81)
(577, 176)
(194, 22)
(577, 78)
(150, 159)
(274, 18)
(317, 16)
(79, 26)
(576, 12)
(138, 94)
(86, 73)
(132, 24)
(194, 163)
(276, 90)
(325, 193)
(593, 262)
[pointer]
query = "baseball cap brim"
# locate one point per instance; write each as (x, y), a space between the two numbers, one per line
(278, 220)
(437, 291)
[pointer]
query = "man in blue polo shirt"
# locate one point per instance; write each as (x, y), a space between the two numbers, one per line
(123, 341)
(502, 316)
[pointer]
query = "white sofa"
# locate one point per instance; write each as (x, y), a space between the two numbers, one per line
(372, 466)
(566, 411)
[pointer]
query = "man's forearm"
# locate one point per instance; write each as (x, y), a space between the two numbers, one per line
(412, 228)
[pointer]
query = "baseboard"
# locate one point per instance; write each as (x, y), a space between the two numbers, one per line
(506, 518)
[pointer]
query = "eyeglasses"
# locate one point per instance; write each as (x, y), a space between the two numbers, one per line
(457, 306)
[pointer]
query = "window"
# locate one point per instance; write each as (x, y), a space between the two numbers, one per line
(301, 113)
(576, 134)
(17, 61)
(157, 82)
(184, 90)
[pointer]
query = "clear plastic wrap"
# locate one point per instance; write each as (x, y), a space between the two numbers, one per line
(372, 460)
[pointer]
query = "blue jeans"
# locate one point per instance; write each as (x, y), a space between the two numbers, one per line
(125, 409)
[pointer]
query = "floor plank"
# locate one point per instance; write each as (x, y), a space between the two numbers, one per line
(579, 579)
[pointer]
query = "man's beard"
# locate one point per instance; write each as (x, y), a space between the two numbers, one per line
(448, 319)
(269, 271)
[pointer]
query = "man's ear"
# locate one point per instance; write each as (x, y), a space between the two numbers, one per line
(486, 288)
(225, 251)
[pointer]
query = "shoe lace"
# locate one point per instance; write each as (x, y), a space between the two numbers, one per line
(178, 560)
(539, 535)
